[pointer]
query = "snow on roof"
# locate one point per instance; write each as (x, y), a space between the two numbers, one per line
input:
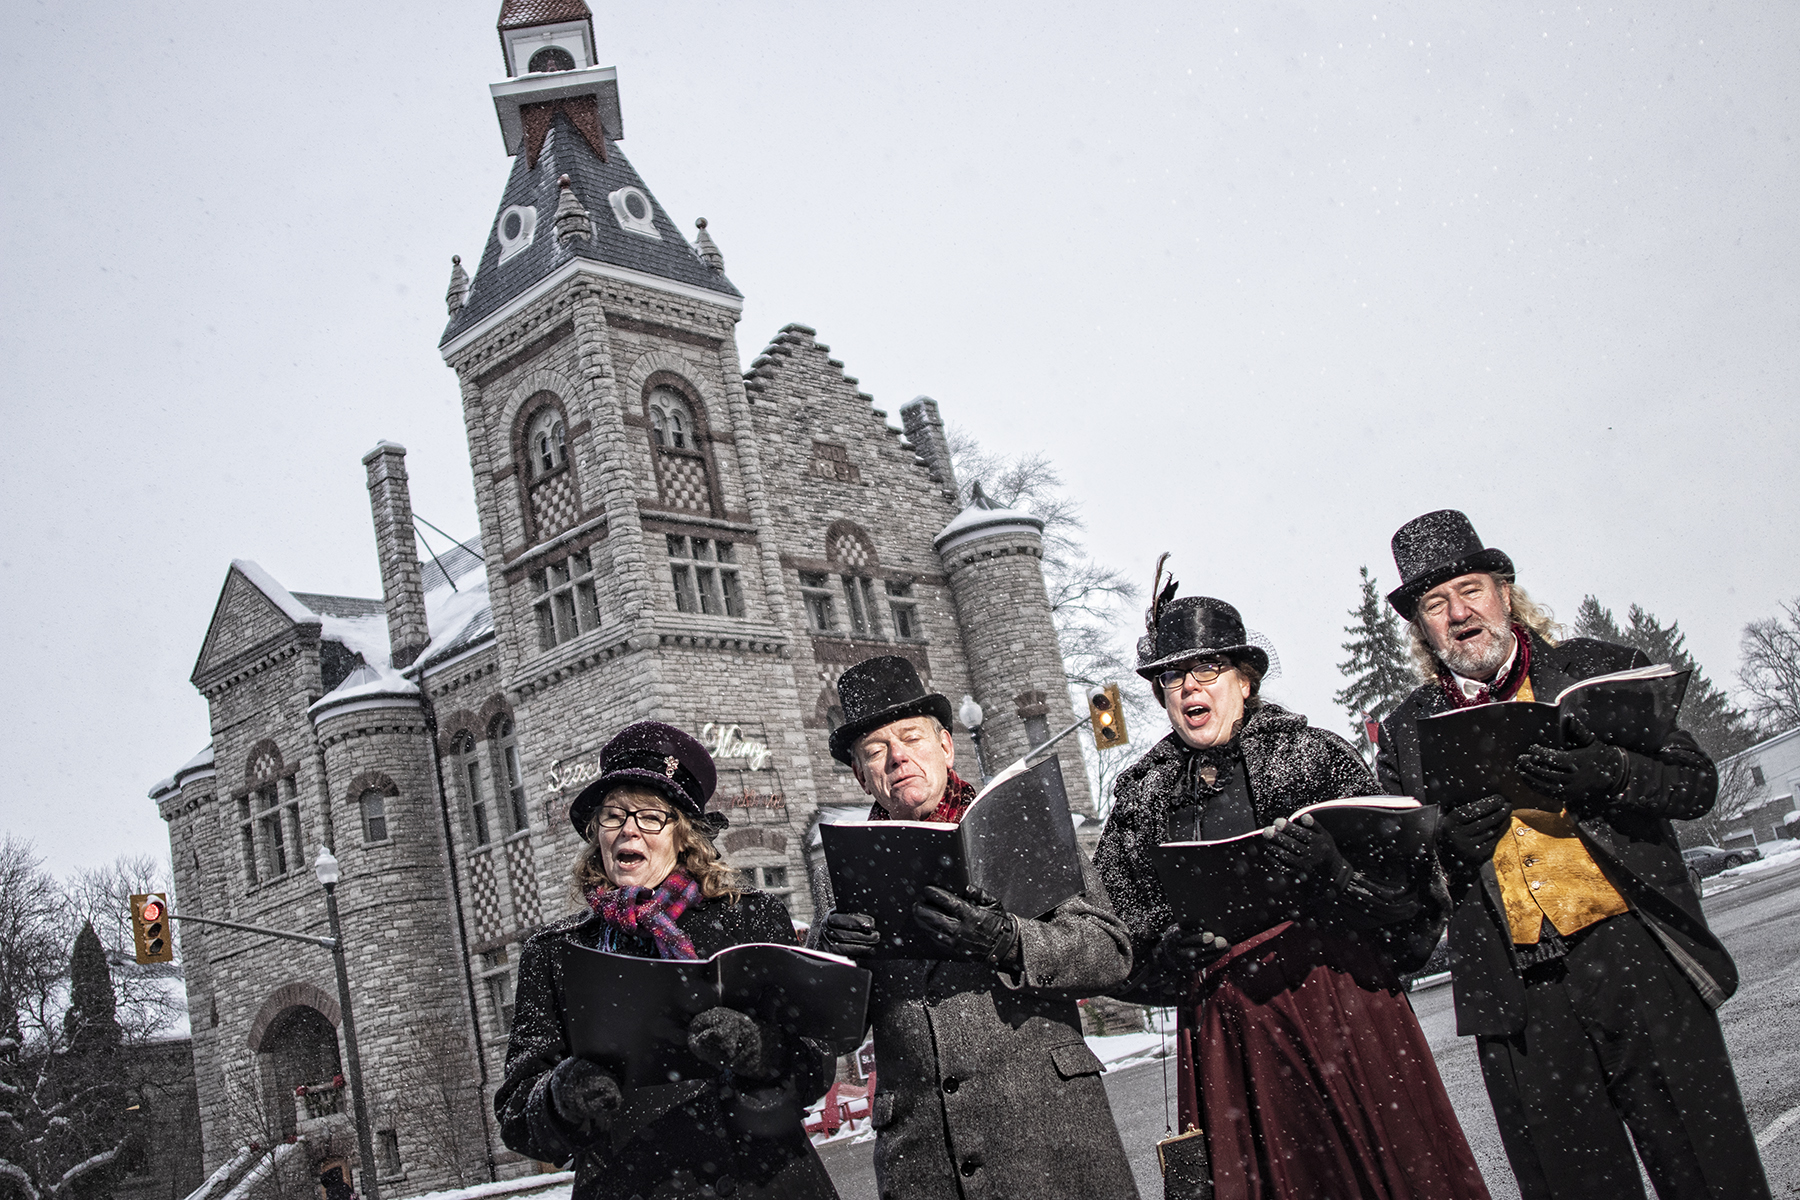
(202, 759)
(979, 516)
(458, 619)
(162, 787)
(369, 682)
(283, 599)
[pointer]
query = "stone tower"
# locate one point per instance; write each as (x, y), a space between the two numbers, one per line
(619, 484)
(994, 559)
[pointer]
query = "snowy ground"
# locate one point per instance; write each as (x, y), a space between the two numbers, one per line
(557, 1186)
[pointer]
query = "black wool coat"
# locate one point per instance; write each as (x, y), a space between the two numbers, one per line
(670, 1140)
(1633, 844)
(1289, 764)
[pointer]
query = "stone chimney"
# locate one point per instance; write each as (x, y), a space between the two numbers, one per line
(391, 502)
(925, 430)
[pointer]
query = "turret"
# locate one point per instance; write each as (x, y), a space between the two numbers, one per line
(994, 559)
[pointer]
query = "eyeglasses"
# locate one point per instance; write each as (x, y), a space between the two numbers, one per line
(1201, 673)
(650, 820)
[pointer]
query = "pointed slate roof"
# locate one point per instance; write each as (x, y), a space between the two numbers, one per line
(567, 152)
(515, 14)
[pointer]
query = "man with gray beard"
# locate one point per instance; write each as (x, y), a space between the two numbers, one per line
(1583, 964)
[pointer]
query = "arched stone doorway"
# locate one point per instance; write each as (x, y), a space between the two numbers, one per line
(298, 1048)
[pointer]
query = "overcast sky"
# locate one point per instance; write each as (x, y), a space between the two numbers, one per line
(1263, 281)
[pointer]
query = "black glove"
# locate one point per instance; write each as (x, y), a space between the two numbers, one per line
(1183, 950)
(850, 934)
(1582, 778)
(735, 1041)
(1307, 851)
(976, 929)
(1468, 833)
(584, 1094)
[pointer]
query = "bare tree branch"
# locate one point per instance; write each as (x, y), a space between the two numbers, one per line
(1771, 669)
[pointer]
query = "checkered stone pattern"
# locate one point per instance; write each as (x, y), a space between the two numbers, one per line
(553, 505)
(490, 923)
(265, 766)
(850, 551)
(684, 483)
(521, 872)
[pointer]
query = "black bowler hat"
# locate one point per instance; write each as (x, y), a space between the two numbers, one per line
(1196, 627)
(1436, 547)
(877, 692)
(652, 755)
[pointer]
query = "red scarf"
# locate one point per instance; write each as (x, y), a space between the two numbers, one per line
(957, 795)
(650, 912)
(1500, 689)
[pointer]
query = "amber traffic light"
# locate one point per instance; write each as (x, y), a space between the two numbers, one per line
(150, 928)
(1107, 717)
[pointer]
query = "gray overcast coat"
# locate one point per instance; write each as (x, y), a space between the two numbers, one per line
(985, 1089)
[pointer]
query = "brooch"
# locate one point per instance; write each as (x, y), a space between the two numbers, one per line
(670, 763)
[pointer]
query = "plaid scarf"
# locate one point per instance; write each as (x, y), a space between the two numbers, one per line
(1500, 689)
(650, 912)
(958, 792)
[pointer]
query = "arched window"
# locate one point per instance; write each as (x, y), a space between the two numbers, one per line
(551, 58)
(546, 442)
(671, 420)
(509, 778)
(374, 815)
(468, 772)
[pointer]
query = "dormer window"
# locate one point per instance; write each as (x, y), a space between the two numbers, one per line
(548, 443)
(670, 420)
(551, 58)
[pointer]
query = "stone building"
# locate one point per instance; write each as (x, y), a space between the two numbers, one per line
(664, 532)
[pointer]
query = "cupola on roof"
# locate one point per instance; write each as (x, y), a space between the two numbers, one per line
(540, 36)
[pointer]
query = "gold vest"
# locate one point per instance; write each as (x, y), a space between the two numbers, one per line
(1546, 871)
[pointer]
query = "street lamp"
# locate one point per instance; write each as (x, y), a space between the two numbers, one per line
(326, 868)
(971, 716)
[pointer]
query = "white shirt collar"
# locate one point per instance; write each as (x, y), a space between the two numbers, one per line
(1471, 688)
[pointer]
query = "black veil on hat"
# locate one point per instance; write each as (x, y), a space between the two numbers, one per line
(1435, 548)
(877, 692)
(660, 757)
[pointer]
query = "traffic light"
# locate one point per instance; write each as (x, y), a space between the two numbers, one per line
(1107, 717)
(150, 928)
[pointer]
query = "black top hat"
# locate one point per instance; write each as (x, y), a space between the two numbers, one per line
(1197, 627)
(877, 691)
(652, 755)
(1436, 547)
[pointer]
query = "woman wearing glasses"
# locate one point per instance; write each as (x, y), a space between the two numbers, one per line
(1298, 1055)
(655, 887)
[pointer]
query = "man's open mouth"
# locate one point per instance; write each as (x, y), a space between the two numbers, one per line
(1467, 634)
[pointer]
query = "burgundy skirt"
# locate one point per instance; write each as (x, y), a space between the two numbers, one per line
(1313, 1079)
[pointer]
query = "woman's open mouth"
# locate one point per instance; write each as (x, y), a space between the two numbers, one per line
(1196, 713)
(628, 859)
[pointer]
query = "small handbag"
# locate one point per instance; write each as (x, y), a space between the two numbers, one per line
(1187, 1174)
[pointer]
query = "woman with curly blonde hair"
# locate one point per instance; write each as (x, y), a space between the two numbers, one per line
(655, 887)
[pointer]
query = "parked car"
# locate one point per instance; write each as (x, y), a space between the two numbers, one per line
(1710, 860)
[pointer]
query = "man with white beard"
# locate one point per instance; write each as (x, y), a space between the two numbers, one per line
(1583, 963)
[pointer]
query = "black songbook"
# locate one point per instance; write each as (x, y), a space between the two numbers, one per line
(1016, 842)
(1473, 752)
(632, 1014)
(1226, 888)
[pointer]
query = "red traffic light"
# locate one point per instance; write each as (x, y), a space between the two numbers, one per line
(152, 910)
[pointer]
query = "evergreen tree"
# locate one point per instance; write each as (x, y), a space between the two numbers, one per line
(1719, 726)
(1379, 670)
(1593, 621)
(12, 1092)
(84, 1148)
